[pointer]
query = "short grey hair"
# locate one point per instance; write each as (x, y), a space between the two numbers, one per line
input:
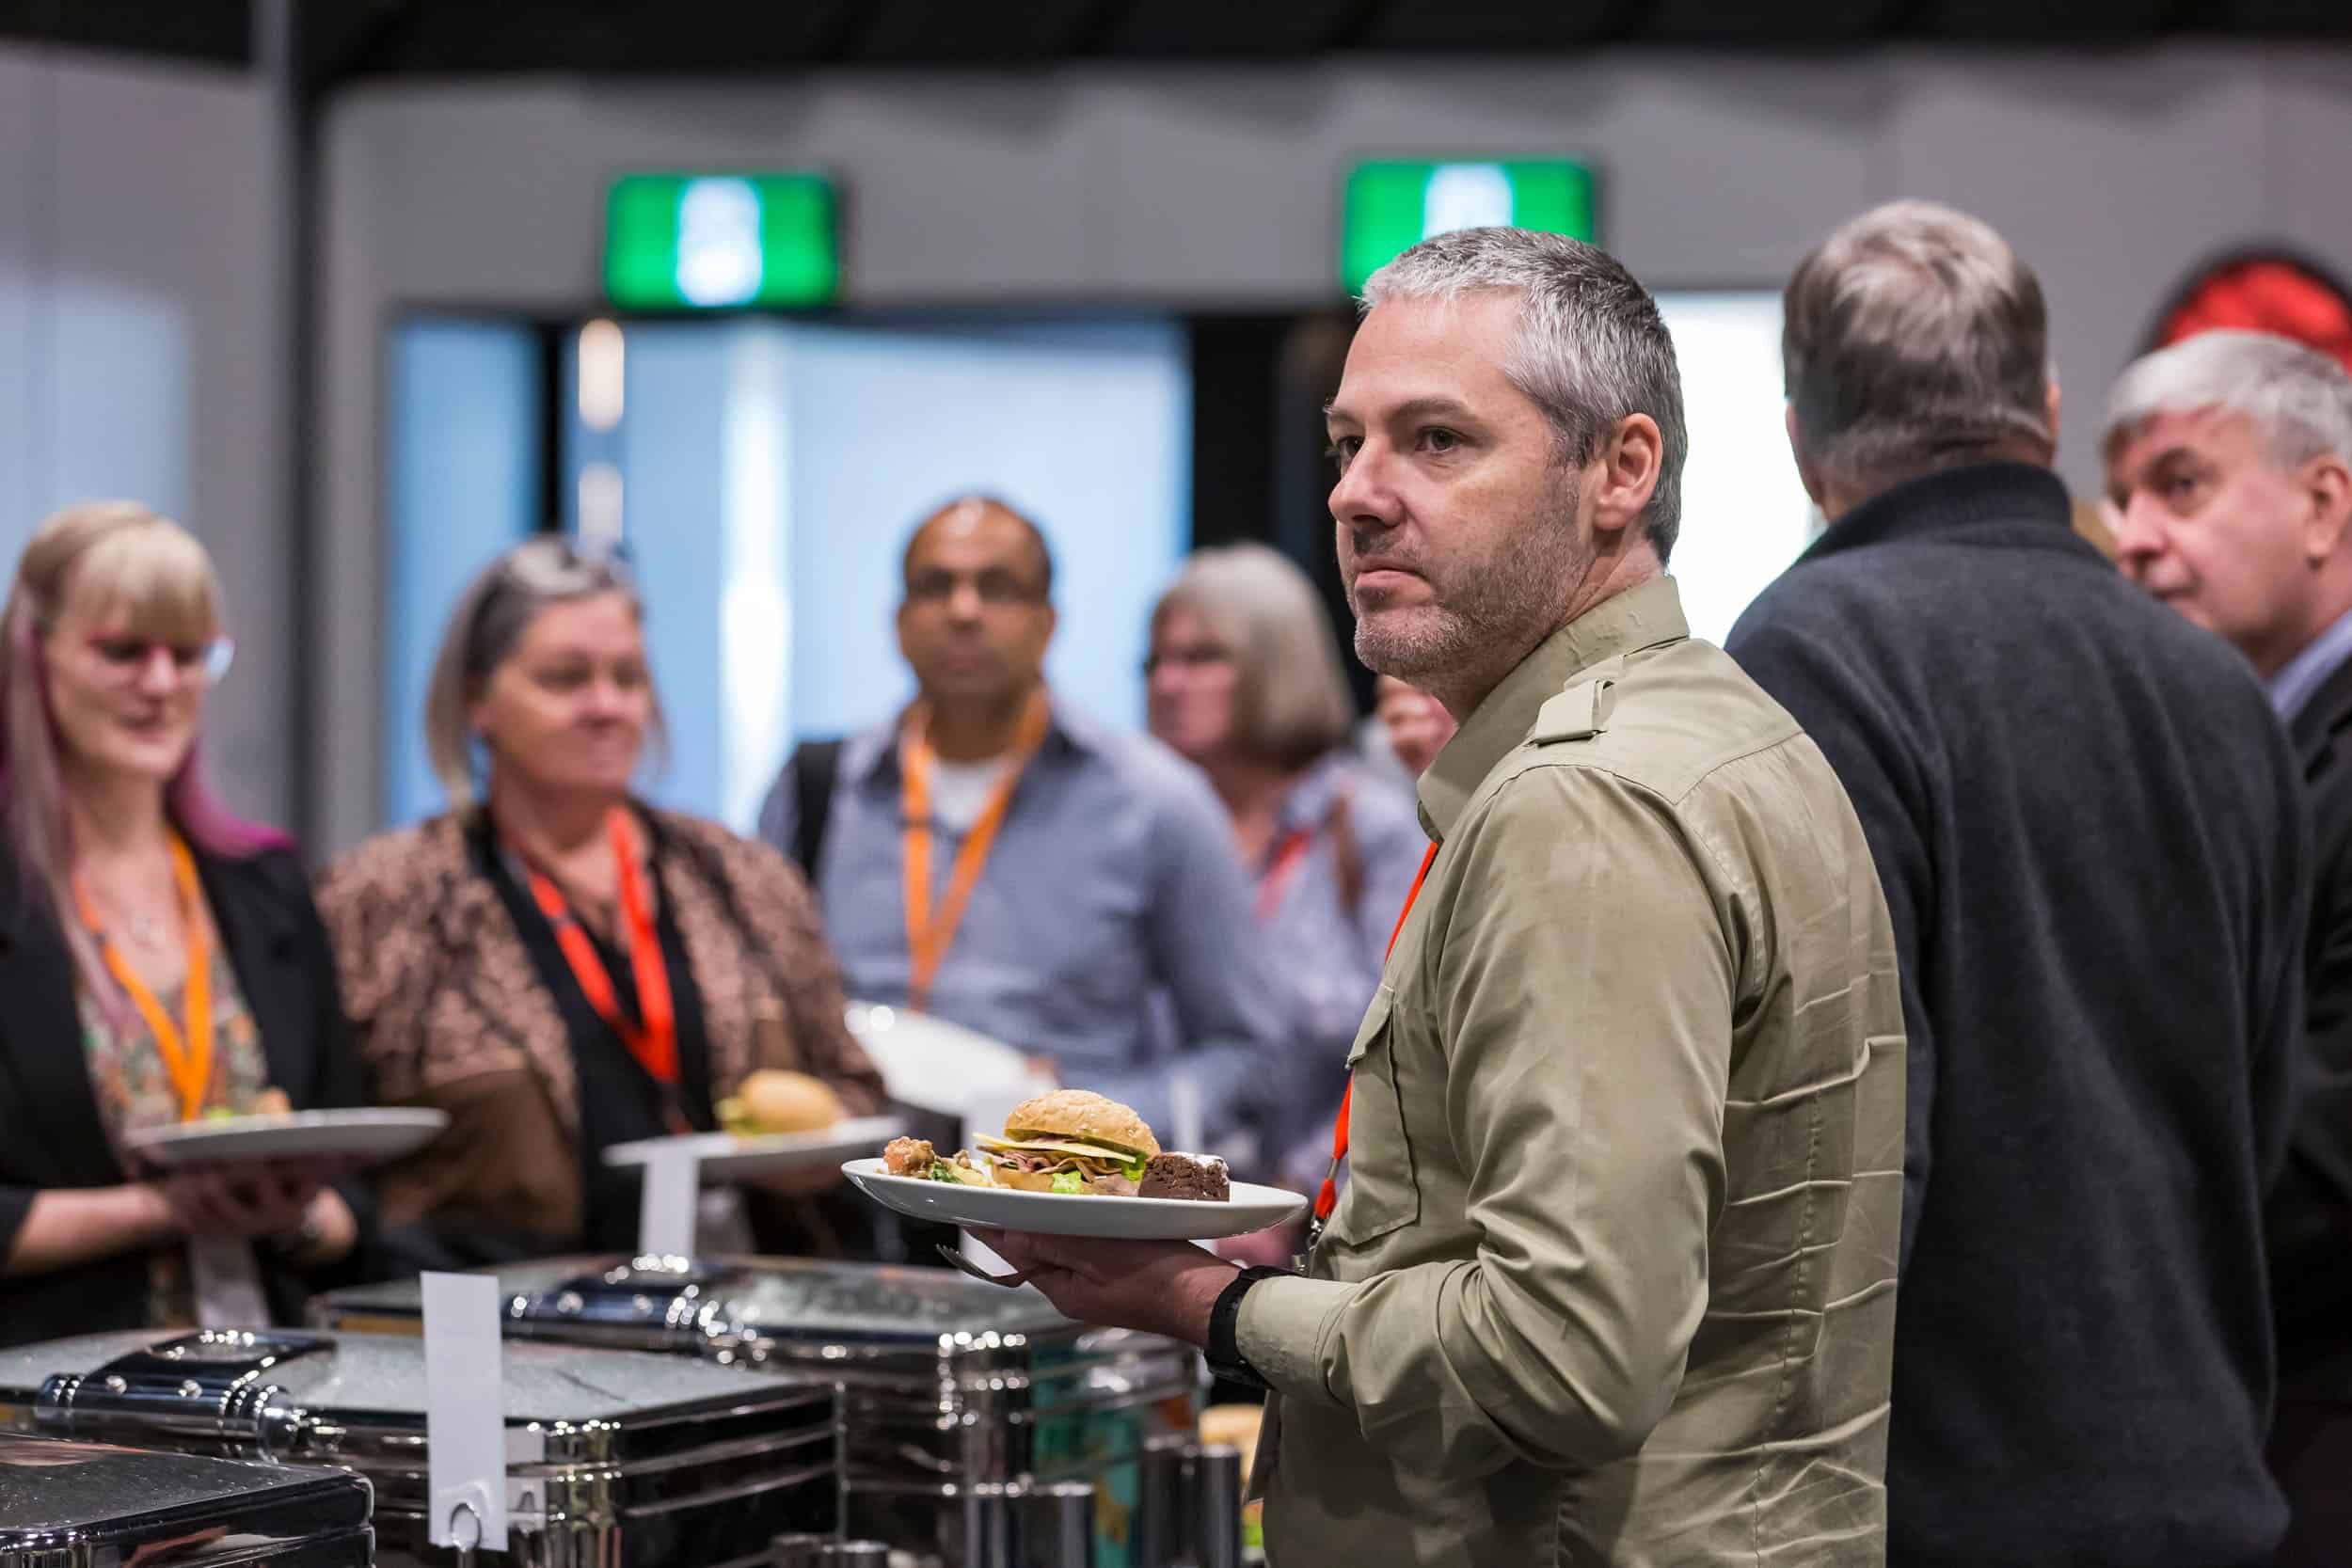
(1290, 702)
(1914, 340)
(497, 608)
(1590, 348)
(2298, 401)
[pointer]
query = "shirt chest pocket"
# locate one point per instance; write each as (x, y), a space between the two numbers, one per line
(1381, 1195)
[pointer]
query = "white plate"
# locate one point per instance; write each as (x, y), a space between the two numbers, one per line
(363, 1136)
(939, 1066)
(1157, 1219)
(724, 1157)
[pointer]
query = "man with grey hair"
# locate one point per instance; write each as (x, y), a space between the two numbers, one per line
(1611, 1282)
(2085, 823)
(2230, 470)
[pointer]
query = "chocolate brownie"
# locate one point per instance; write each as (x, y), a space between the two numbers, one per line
(1183, 1176)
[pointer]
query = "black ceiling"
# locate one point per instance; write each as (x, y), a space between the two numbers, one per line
(347, 40)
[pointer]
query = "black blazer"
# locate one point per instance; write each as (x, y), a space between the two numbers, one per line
(2311, 1213)
(49, 1134)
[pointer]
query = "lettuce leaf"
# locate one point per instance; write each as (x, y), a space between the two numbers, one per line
(1069, 1181)
(1133, 1171)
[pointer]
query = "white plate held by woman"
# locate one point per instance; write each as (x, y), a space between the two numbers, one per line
(360, 1136)
(724, 1157)
(1251, 1208)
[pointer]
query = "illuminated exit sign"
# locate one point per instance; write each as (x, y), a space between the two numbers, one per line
(1393, 205)
(722, 241)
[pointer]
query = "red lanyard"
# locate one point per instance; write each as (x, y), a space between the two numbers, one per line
(1328, 1198)
(1279, 876)
(655, 1042)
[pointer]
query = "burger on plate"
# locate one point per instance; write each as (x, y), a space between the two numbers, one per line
(1071, 1140)
(773, 1100)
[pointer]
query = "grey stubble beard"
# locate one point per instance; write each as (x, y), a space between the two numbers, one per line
(1491, 616)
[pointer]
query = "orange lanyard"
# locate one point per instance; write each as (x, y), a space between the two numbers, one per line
(1277, 880)
(1328, 1198)
(929, 932)
(187, 1057)
(655, 1042)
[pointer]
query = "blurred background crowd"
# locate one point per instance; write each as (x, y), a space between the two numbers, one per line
(564, 555)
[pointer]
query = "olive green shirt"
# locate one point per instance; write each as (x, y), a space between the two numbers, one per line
(1613, 1279)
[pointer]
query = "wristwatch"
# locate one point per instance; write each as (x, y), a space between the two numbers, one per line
(1224, 1349)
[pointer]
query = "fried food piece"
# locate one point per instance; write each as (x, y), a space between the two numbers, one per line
(909, 1157)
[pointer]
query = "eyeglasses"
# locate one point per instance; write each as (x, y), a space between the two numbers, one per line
(1204, 657)
(124, 658)
(996, 587)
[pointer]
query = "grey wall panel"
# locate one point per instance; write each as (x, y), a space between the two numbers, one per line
(163, 250)
(1184, 185)
(23, 485)
(2306, 157)
(135, 311)
(2109, 182)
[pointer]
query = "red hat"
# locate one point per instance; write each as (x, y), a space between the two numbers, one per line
(2264, 292)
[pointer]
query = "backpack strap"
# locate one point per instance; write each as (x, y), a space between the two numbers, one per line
(815, 767)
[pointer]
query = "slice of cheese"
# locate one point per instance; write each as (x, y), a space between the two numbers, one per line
(1058, 1146)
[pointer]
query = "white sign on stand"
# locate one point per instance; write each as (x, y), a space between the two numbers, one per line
(465, 1411)
(673, 1199)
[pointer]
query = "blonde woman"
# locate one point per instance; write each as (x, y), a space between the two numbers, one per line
(1244, 681)
(160, 958)
(554, 963)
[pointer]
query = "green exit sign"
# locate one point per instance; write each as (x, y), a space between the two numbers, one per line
(1395, 204)
(722, 241)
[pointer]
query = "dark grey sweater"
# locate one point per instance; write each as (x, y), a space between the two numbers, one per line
(2089, 827)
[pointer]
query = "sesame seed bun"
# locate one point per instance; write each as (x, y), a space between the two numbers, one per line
(1081, 1116)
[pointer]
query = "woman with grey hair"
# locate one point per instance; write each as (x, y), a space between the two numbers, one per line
(556, 964)
(1245, 682)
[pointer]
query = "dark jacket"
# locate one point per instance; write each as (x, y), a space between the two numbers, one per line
(2090, 830)
(2312, 1211)
(49, 1132)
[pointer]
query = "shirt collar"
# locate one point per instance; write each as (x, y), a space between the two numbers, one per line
(874, 753)
(1642, 617)
(2299, 679)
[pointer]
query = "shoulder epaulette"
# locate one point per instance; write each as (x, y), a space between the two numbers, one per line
(1577, 713)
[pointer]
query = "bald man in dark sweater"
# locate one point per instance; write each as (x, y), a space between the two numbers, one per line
(2088, 826)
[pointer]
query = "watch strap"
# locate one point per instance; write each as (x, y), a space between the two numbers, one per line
(1224, 1348)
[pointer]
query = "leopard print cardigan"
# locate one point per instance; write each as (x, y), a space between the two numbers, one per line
(445, 1001)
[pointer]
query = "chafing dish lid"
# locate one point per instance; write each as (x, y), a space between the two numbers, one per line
(777, 1298)
(51, 1490)
(384, 1374)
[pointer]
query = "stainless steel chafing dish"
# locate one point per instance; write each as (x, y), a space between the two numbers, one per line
(613, 1459)
(958, 1397)
(87, 1505)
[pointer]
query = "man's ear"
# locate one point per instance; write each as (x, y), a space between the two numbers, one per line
(2326, 486)
(2054, 401)
(1629, 465)
(1805, 475)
